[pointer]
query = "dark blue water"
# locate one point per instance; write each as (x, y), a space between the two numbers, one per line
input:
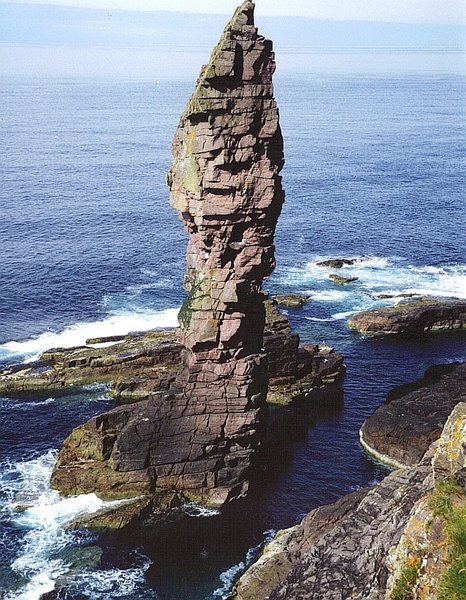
(89, 246)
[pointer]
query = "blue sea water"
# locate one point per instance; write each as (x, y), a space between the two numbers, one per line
(375, 170)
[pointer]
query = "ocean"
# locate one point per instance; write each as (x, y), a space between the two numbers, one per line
(375, 170)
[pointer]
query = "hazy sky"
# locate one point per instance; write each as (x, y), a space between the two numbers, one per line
(402, 11)
(49, 39)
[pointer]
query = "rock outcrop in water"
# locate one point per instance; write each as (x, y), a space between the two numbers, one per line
(415, 316)
(200, 437)
(139, 365)
(402, 539)
(400, 431)
(225, 184)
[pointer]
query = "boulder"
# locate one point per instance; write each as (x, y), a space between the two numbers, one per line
(338, 279)
(417, 316)
(336, 263)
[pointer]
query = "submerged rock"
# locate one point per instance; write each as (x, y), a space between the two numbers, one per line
(341, 280)
(400, 431)
(417, 316)
(291, 300)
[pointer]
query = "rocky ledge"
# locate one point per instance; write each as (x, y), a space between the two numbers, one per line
(416, 316)
(400, 431)
(402, 539)
(139, 365)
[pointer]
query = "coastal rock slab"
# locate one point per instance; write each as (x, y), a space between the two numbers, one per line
(416, 316)
(390, 541)
(413, 416)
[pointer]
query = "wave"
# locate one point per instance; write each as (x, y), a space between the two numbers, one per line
(76, 335)
(232, 574)
(192, 509)
(387, 276)
(40, 513)
(18, 404)
(327, 295)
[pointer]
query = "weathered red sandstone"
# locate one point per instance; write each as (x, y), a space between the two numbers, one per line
(200, 438)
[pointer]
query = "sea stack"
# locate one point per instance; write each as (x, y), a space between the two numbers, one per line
(199, 438)
(225, 184)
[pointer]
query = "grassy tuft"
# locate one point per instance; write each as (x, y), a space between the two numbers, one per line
(404, 585)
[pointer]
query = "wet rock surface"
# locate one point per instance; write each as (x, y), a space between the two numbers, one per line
(413, 415)
(339, 280)
(291, 300)
(416, 316)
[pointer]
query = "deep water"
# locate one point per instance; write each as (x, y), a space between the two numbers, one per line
(89, 246)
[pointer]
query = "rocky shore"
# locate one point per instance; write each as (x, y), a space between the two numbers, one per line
(139, 365)
(414, 316)
(395, 540)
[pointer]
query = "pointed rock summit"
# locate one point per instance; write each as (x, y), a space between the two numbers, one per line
(199, 438)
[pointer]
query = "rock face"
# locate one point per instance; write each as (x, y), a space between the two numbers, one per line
(400, 430)
(415, 316)
(224, 181)
(390, 542)
(225, 184)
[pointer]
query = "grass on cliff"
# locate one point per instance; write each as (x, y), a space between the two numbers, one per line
(449, 501)
(404, 585)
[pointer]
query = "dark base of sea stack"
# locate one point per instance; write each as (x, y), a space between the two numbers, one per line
(162, 442)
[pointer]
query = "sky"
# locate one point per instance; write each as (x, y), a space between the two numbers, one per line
(401, 11)
(363, 36)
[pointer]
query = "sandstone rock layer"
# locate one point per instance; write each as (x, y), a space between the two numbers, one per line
(225, 184)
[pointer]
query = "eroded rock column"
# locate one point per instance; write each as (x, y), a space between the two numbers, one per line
(225, 184)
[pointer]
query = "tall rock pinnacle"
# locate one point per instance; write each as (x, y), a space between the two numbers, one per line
(199, 437)
(225, 184)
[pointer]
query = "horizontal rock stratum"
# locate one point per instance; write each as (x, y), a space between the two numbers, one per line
(414, 316)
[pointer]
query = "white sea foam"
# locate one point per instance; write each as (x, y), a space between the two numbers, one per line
(26, 484)
(378, 275)
(342, 315)
(231, 575)
(111, 583)
(192, 509)
(76, 335)
(328, 295)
